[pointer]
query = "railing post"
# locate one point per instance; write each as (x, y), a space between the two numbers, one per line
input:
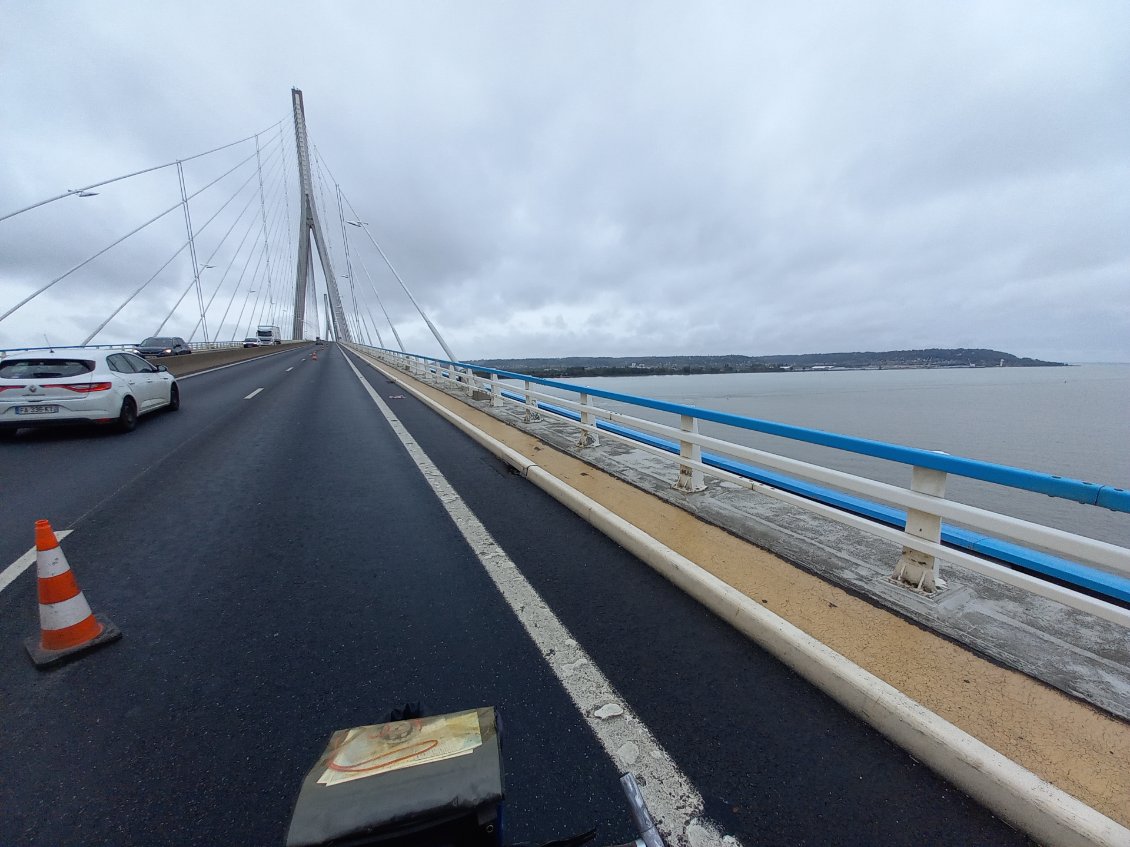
(495, 392)
(532, 413)
(916, 569)
(588, 438)
(690, 478)
(470, 386)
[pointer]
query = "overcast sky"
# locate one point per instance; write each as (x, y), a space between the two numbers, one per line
(595, 178)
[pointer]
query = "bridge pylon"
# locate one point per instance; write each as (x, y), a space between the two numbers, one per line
(308, 223)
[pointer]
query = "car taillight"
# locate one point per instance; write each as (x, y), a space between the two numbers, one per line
(11, 387)
(84, 388)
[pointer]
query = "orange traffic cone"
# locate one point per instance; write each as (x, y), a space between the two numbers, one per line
(66, 624)
(314, 355)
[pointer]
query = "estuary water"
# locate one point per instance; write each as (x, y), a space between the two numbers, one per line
(1069, 421)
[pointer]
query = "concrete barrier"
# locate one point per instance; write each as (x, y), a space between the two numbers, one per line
(205, 359)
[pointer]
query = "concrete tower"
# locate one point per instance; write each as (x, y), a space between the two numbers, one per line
(309, 223)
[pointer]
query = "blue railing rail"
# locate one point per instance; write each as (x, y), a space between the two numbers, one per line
(1077, 490)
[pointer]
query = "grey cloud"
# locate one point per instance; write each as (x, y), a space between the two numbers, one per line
(636, 179)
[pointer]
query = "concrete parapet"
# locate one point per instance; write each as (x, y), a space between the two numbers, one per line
(204, 359)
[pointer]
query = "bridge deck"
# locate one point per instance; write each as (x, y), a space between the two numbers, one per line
(281, 569)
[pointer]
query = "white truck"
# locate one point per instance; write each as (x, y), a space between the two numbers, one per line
(269, 335)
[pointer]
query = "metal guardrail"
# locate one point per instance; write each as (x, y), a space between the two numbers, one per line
(981, 543)
(214, 345)
(10, 350)
(195, 345)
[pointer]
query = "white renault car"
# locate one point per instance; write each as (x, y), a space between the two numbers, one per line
(78, 386)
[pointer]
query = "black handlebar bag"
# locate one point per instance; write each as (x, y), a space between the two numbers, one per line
(424, 782)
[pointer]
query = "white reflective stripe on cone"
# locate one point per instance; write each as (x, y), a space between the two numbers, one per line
(51, 562)
(63, 614)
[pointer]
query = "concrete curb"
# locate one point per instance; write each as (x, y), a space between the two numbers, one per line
(1017, 795)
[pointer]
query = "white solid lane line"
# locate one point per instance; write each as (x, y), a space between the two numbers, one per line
(24, 562)
(671, 797)
(253, 393)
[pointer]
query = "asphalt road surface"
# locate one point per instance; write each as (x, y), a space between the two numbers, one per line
(281, 569)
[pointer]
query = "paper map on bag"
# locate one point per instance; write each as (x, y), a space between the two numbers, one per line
(370, 750)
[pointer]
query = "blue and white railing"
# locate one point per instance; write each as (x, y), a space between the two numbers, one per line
(987, 542)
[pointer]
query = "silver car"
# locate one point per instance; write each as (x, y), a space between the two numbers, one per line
(40, 389)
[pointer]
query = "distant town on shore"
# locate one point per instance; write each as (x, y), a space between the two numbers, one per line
(574, 366)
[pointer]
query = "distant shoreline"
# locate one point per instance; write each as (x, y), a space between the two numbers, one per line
(552, 374)
(926, 359)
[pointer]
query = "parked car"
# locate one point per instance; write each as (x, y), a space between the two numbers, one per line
(83, 386)
(250, 341)
(163, 346)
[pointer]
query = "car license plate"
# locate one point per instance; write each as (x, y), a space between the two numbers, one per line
(36, 410)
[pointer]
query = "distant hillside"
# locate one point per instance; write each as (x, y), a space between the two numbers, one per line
(572, 366)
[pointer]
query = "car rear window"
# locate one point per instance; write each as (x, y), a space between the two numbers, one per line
(44, 368)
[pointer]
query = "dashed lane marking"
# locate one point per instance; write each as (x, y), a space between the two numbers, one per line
(253, 393)
(673, 800)
(288, 370)
(24, 562)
